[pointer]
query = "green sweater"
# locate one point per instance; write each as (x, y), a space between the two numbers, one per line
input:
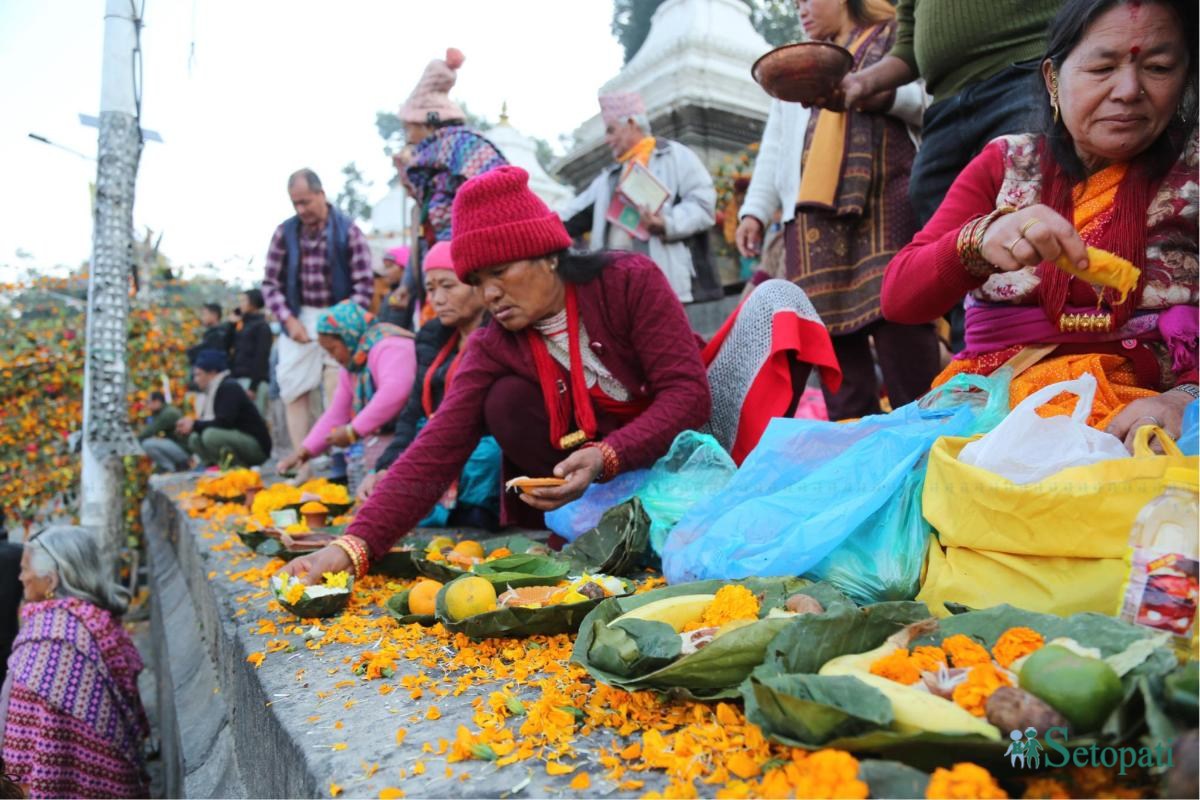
(953, 43)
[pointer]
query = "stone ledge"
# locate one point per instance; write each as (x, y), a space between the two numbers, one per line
(232, 730)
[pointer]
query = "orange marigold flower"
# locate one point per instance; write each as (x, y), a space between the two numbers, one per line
(1016, 643)
(928, 658)
(965, 652)
(964, 782)
(897, 666)
(731, 603)
(1045, 789)
(973, 693)
(581, 781)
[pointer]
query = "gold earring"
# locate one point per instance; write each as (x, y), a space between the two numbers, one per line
(1054, 95)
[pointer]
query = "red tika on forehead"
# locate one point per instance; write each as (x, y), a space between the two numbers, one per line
(1133, 51)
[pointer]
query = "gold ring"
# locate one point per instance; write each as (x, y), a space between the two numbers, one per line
(1029, 223)
(1009, 247)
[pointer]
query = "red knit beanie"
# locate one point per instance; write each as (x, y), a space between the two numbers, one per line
(497, 219)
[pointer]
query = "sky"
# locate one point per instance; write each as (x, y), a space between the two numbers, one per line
(243, 92)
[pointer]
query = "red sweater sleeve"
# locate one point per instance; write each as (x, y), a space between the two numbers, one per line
(417, 479)
(664, 344)
(926, 279)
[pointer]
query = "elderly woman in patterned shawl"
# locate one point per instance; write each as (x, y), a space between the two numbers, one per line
(443, 154)
(378, 363)
(72, 717)
(1029, 229)
(588, 368)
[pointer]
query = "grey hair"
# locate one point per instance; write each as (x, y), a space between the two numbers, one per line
(310, 178)
(73, 554)
(642, 121)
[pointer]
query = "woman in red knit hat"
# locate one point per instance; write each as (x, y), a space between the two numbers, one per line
(588, 368)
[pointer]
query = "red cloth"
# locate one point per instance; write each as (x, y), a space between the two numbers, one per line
(926, 279)
(497, 219)
(639, 331)
(771, 393)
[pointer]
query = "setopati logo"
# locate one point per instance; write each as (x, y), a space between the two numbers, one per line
(1026, 751)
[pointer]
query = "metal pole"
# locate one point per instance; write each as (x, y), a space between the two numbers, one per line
(106, 433)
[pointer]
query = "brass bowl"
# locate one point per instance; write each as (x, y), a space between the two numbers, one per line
(803, 72)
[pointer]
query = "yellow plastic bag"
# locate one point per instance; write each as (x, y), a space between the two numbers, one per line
(1058, 546)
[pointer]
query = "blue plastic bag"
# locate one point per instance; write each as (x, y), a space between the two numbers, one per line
(835, 501)
(694, 468)
(1189, 435)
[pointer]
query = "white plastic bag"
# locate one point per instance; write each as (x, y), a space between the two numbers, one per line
(1026, 448)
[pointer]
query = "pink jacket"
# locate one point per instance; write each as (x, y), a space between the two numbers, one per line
(393, 366)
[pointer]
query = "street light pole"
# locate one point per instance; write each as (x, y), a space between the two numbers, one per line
(106, 433)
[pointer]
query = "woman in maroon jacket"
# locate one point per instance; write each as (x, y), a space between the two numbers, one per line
(588, 369)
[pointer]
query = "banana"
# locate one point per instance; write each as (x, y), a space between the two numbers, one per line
(913, 709)
(674, 611)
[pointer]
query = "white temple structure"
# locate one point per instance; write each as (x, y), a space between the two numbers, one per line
(521, 151)
(693, 71)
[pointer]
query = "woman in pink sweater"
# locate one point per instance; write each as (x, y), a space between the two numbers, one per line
(378, 364)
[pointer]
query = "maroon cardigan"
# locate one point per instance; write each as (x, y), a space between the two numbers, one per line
(639, 331)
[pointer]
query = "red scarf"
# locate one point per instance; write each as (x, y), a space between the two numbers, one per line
(561, 407)
(1120, 230)
(443, 354)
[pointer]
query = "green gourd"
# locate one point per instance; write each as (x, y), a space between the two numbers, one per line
(1084, 690)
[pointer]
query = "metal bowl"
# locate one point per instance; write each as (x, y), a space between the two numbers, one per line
(804, 72)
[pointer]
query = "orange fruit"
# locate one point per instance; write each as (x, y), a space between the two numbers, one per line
(468, 547)
(423, 595)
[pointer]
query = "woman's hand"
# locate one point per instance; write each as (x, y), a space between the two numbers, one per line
(367, 486)
(1165, 411)
(340, 436)
(749, 237)
(580, 469)
(311, 568)
(1027, 237)
(289, 464)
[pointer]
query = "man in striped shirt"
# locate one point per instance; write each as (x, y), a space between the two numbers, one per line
(316, 259)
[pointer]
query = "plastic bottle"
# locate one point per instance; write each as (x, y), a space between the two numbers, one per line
(1163, 583)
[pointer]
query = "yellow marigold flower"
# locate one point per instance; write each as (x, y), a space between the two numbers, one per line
(964, 782)
(965, 652)
(336, 580)
(731, 602)
(973, 693)
(1016, 643)
(897, 666)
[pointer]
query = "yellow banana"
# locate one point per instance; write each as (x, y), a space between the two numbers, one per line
(674, 611)
(913, 709)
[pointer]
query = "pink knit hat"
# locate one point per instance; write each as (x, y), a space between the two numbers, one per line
(497, 219)
(438, 257)
(430, 101)
(617, 107)
(398, 254)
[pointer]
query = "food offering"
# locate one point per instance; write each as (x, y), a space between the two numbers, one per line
(229, 487)
(524, 484)
(325, 599)
(444, 558)
(416, 604)
(696, 640)
(315, 514)
(888, 679)
(482, 608)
